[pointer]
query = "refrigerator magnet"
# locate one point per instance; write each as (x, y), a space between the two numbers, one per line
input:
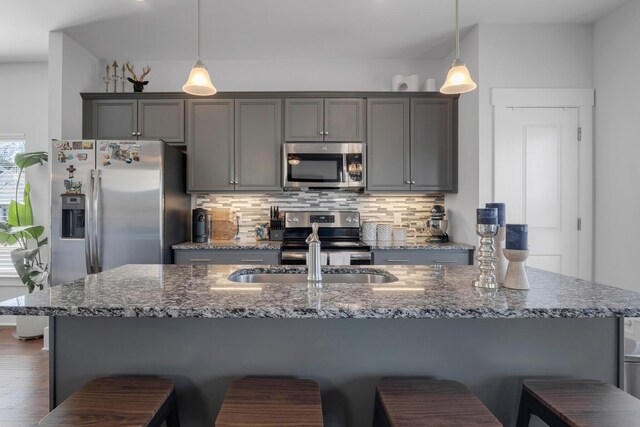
(77, 145)
(62, 158)
(87, 145)
(64, 145)
(81, 156)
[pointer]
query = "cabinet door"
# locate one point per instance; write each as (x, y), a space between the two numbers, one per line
(388, 144)
(258, 157)
(423, 257)
(114, 119)
(433, 152)
(210, 141)
(303, 119)
(344, 119)
(161, 119)
(221, 256)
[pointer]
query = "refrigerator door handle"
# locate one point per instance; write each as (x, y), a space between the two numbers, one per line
(87, 225)
(97, 173)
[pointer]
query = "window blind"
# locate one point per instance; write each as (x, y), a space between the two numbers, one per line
(9, 147)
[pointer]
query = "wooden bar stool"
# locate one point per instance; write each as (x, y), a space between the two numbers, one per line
(271, 402)
(413, 402)
(118, 401)
(583, 403)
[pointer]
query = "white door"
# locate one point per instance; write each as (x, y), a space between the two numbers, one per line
(536, 175)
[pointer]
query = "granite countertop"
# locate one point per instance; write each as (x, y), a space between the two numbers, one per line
(248, 244)
(420, 292)
(240, 244)
(419, 244)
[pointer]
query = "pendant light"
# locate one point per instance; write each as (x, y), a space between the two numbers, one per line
(458, 78)
(199, 82)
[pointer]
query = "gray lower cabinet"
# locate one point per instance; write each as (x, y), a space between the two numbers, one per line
(114, 119)
(258, 144)
(210, 145)
(137, 119)
(433, 151)
(388, 144)
(221, 256)
(329, 119)
(422, 257)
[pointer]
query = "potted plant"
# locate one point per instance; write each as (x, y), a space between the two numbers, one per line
(20, 230)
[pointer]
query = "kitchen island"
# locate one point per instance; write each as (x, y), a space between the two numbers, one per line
(194, 325)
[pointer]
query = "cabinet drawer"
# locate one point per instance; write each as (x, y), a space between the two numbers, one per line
(215, 256)
(419, 257)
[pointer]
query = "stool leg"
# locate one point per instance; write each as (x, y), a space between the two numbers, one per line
(173, 420)
(524, 412)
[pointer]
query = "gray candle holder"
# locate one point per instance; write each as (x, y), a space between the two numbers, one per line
(516, 277)
(486, 257)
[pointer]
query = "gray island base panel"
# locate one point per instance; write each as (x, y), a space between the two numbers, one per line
(152, 320)
(346, 357)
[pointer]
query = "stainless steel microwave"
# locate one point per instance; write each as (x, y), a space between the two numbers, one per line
(311, 165)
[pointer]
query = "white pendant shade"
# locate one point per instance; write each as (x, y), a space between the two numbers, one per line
(458, 80)
(199, 82)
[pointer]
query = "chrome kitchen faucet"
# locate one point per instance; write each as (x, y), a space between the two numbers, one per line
(314, 258)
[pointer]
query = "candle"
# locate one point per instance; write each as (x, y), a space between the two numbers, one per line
(487, 215)
(502, 212)
(517, 237)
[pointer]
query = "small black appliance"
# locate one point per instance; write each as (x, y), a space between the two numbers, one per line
(199, 226)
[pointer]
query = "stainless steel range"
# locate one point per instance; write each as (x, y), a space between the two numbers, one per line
(339, 232)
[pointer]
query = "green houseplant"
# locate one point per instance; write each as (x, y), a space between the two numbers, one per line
(20, 229)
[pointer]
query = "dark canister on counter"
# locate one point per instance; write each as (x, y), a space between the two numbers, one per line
(199, 226)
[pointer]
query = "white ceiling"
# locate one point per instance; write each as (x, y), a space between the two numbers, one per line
(274, 29)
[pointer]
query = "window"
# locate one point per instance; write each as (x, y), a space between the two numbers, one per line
(10, 145)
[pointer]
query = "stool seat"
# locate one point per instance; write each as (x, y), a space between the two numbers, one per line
(271, 402)
(416, 402)
(582, 402)
(121, 401)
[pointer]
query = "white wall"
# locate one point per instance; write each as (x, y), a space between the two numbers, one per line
(23, 110)
(285, 75)
(617, 174)
(461, 206)
(72, 69)
(503, 56)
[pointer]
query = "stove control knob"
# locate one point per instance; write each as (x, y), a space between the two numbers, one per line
(349, 219)
(295, 219)
(289, 220)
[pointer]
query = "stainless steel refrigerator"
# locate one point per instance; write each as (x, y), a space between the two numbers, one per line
(115, 203)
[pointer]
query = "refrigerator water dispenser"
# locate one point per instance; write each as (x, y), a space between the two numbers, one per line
(73, 216)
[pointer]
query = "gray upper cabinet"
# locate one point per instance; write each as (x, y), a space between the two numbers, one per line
(344, 119)
(114, 119)
(304, 119)
(258, 136)
(433, 151)
(138, 119)
(330, 119)
(161, 119)
(210, 145)
(388, 150)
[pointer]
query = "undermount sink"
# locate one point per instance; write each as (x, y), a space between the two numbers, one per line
(327, 277)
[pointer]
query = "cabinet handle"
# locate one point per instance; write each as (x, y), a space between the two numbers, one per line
(326, 133)
(413, 182)
(199, 260)
(236, 182)
(396, 260)
(139, 133)
(407, 182)
(251, 260)
(231, 182)
(133, 133)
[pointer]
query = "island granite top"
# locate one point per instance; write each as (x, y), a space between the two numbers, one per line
(251, 244)
(420, 292)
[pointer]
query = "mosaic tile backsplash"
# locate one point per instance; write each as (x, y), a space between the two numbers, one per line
(255, 208)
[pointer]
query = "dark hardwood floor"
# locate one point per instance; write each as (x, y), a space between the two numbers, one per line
(24, 380)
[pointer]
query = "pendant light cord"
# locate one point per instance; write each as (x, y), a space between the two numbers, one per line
(198, 27)
(457, 33)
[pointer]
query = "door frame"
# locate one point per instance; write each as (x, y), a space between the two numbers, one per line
(584, 101)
